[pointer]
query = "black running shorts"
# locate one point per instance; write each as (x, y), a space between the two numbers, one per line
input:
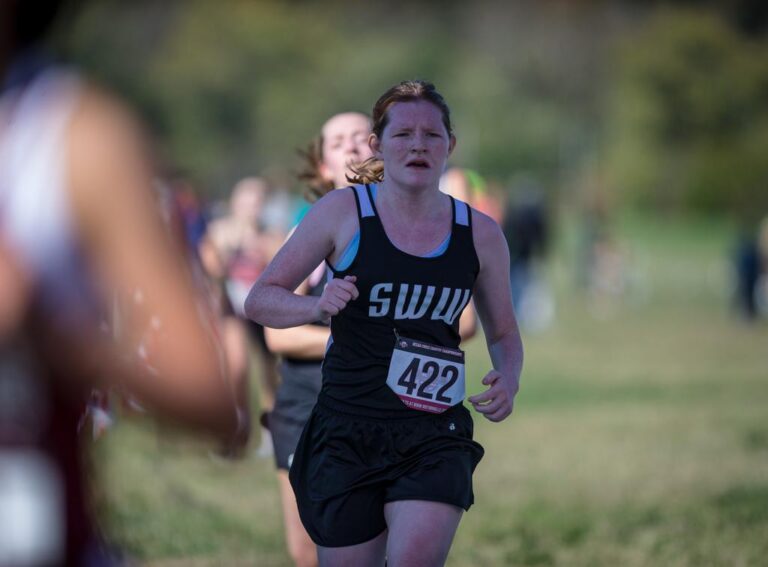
(347, 466)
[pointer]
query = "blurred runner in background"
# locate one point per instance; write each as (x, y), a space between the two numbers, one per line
(245, 248)
(79, 226)
(343, 142)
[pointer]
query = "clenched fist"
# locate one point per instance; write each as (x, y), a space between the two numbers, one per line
(335, 297)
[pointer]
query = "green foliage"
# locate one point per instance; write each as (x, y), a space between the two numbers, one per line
(676, 114)
(233, 88)
(689, 116)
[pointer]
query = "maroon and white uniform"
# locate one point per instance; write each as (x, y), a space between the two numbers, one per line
(43, 491)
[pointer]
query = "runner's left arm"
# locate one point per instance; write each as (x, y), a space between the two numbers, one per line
(493, 302)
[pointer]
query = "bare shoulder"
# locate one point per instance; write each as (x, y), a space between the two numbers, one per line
(486, 232)
(333, 220)
(339, 203)
(335, 210)
(490, 244)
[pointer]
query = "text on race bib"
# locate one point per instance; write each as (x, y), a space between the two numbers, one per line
(426, 377)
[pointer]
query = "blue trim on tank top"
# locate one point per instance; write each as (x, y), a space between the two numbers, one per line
(351, 250)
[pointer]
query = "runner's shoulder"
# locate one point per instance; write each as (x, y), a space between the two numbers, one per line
(486, 232)
(335, 205)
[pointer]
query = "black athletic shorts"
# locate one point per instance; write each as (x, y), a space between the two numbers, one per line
(299, 386)
(347, 466)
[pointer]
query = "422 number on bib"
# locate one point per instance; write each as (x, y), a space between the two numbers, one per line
(426, 377)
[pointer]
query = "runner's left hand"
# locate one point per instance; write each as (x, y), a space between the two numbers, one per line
(497, 401)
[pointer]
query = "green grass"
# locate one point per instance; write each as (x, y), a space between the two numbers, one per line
(639, 438)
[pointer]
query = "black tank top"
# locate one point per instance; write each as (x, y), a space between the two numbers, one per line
(416, 297)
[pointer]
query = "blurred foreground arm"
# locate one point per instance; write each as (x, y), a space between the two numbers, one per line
(14, 292)
(127, 247)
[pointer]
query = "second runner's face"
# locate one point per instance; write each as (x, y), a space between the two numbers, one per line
(345, 142)
(414, 145)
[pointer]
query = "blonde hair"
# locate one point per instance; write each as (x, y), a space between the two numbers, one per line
(370, 171)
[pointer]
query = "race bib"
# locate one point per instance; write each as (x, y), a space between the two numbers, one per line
(426, 377)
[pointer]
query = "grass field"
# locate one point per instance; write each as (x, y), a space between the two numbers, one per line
(640, 437)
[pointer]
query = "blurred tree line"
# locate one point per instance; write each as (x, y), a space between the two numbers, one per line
(667, 106)
(688, 117)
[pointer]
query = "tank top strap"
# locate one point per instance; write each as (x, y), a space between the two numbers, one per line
(461, 235)
(364, 201)
(461, 213)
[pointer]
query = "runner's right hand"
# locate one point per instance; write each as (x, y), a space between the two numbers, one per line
(335, 297)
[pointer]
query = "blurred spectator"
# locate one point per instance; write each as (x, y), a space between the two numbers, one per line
(483, 198)
(762, 284)
(526, 228)
(604, 268)
(239, 238)
(750, 264)
(244, 248)
(78, 228)
(281, 213)
(187, 219)
(747, 269)
(455, 182)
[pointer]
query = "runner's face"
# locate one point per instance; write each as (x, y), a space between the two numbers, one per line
(248, 201)
(414, 145)
(345, 142)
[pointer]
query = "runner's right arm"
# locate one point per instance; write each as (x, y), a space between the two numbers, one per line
(272, 300)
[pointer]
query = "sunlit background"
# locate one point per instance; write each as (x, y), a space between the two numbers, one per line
(638, 130)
